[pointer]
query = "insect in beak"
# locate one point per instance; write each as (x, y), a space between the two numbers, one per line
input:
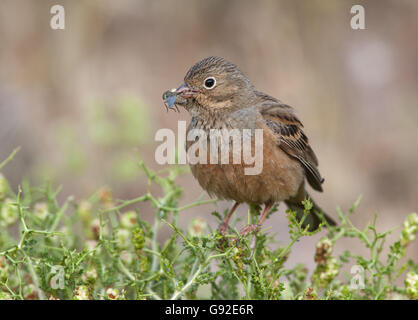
(178, 96)
(170, 97)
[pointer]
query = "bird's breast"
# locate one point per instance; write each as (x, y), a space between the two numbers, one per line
(279, 178)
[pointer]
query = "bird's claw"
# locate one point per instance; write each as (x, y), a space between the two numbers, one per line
(250, 228)
(223, 228)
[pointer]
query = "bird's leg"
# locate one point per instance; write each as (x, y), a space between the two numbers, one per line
(223, 227)
(255, 227)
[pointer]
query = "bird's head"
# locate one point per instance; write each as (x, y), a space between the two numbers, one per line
(211, 83)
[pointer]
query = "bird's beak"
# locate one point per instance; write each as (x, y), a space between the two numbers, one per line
(178, 96)
(185, 92)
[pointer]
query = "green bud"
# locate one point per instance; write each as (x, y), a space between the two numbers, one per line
(84, 209)
(410, 227)
(411, 285)
(138, 238)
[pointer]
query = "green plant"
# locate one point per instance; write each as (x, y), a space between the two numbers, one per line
(99, 248)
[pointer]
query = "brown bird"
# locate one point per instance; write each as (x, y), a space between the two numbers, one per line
(218, 96)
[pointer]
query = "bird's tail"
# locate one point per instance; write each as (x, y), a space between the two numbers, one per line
(312, 219)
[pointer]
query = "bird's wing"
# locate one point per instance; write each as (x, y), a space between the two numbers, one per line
(281, 119)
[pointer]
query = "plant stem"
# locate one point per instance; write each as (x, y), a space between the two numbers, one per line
(179, 293)
(9, 158)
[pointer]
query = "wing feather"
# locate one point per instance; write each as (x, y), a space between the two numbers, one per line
(281, 119)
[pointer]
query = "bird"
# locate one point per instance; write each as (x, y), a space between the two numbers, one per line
(217, 95)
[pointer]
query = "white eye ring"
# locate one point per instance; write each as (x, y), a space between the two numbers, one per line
(209, 87)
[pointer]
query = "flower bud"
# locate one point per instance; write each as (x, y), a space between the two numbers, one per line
(41, 210)
(197, 227)
(325, 273)
(309, 294)
(90, 276)
(106, 198)
(84, 209)
(81, 293)
(123, 238)
(95, 228)
(128, 220)
(410, 227)
(9, 213)
(323, 251)
(138, 238)
(114, 294)
(411, 285)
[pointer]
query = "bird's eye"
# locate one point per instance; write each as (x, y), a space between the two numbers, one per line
(209, 83)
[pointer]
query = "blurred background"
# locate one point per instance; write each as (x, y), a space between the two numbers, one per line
(84, 103)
